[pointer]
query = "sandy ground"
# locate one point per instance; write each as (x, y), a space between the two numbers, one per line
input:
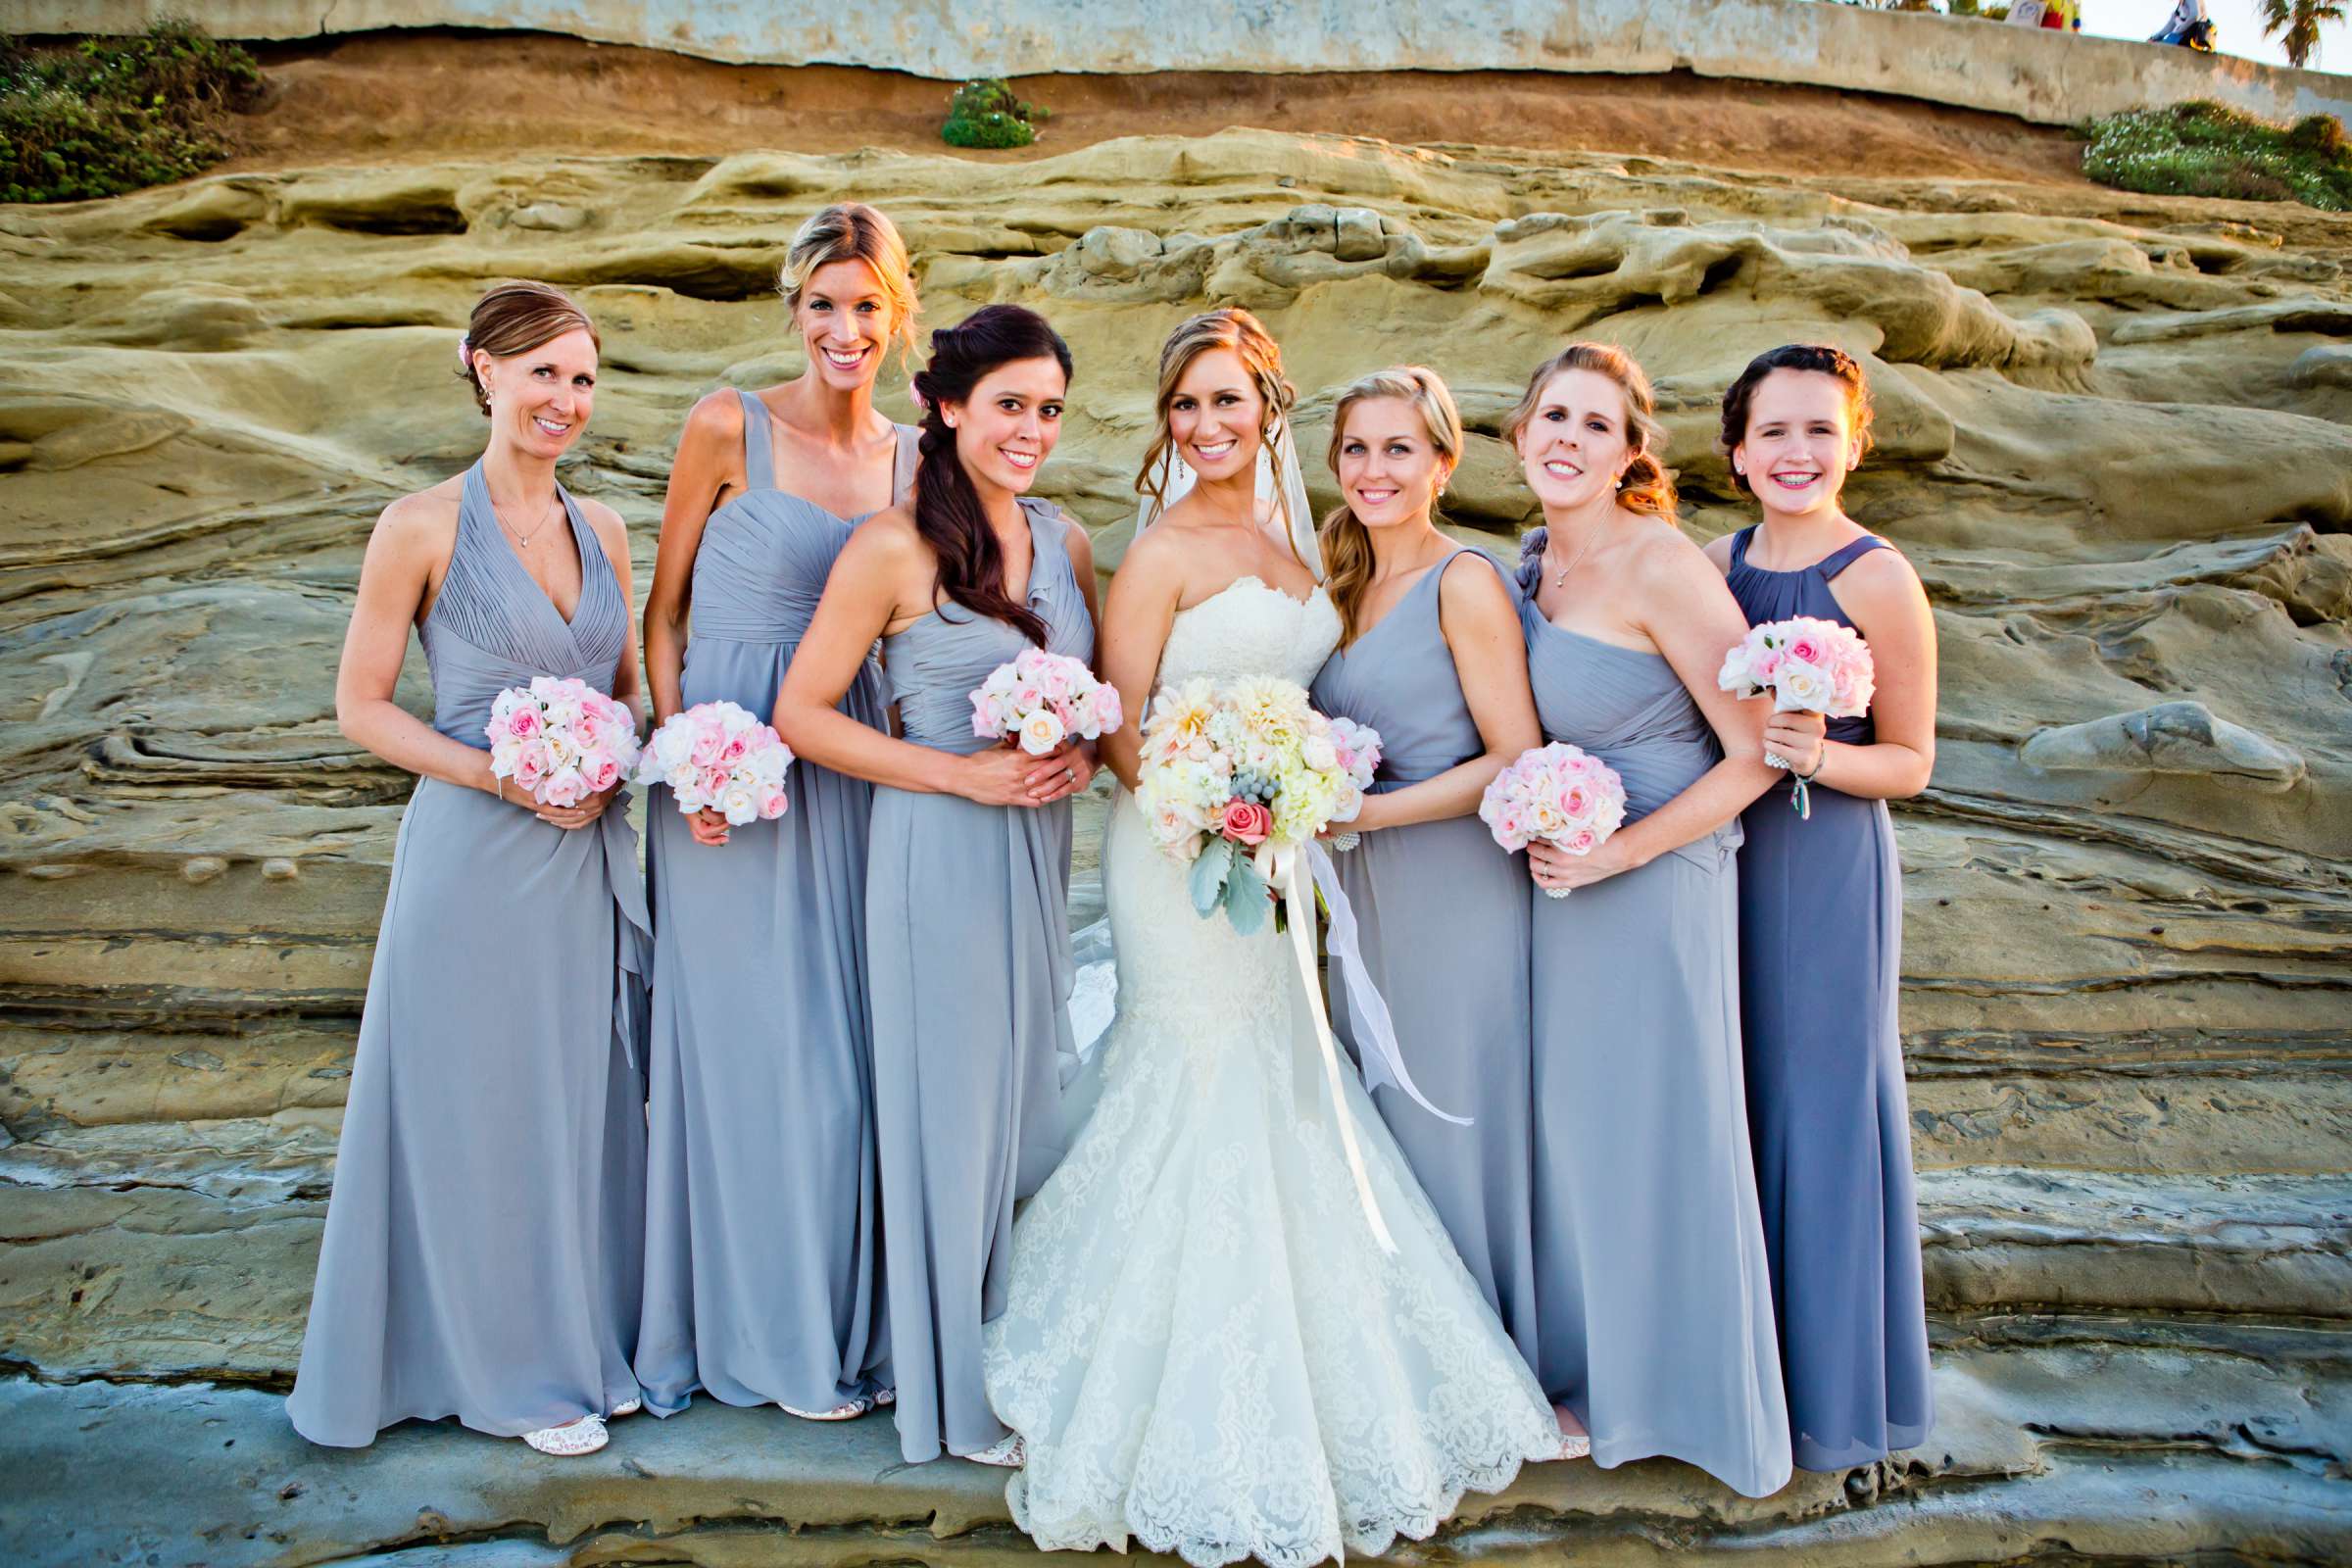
(438, 95)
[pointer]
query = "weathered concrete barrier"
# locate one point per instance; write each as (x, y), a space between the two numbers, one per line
(2036, 75)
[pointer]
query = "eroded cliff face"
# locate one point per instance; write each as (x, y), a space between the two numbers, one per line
(2115, 437)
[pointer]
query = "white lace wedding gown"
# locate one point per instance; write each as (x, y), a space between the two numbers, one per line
(1203, 1346)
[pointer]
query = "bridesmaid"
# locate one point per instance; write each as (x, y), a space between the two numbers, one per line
(968, 929)
(1652, 1298)
(1825, 1097)
(481, 1257)
(763, 1247)
(1431, 656)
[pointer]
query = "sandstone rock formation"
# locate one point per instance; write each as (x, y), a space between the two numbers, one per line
(2116, 438)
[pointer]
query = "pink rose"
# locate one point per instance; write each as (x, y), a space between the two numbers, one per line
(1577, 801)
(1245, 821)
(565, 788)
(523, 722)
(601, 770)
(732, 752)
(529, 768)
(1109, 714)
(773, 804)
(1804, 647)
(708, 743)
(1580, 841)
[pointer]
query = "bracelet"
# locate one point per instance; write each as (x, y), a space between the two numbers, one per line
(1808, 778)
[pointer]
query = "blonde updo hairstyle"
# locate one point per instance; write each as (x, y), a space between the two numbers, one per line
(1647, 486)
(852, 232)
(1346, 542)
(515, 318)
(1242, 332)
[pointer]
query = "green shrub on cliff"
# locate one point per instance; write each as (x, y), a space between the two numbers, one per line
(110, 115)
(2209, 149)
(986, 114)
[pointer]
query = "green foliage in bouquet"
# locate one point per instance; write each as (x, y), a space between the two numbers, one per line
(105, 116)
(986, 114)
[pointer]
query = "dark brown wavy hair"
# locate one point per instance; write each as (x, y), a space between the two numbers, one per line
(948, 514)
(1818, 358)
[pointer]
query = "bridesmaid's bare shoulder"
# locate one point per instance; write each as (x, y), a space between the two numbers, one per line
(424, 521)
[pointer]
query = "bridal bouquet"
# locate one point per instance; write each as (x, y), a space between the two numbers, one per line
(1360, 757)
(1807, 666)
(1560, 794)
(1038, 700)
(1235, 779)
(716, 757)
(560, 739)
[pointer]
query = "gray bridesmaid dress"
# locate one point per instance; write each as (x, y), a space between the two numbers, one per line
(762, 1244)
(1653, 1295)
(481, 1257)
(1442, 919)
(1825, 1099)
(968, 959)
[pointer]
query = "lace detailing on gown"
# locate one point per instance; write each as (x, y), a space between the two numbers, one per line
(1203, 1344)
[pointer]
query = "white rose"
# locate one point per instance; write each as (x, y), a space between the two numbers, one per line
(1803, 687)
(1041, 733)
(733, 719)
(738, 804)
(1319, 753)
(682, 780)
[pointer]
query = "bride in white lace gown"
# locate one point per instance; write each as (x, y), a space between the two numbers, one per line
(1204, 1347)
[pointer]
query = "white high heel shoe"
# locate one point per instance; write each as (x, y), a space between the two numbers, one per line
(1007, 1452)
(571, 1440)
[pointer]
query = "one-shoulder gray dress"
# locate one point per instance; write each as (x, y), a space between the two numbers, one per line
(763, 1238)
(1652, 1297)
(1821, 941)
(1443, 920)
(968, 958)
(482, 1249)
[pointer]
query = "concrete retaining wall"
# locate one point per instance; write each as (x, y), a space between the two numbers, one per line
(2037, 75)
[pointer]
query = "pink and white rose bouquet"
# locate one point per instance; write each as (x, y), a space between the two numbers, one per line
(1358, 747)
(1237, 777)
(1805, 665)
(717, 757)
(1560, 794)
(1038, 700)
(560, 739)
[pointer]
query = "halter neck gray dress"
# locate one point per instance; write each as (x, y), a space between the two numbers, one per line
(481, 1257)
(968, 962)
(1442, 917)
(1652, 1297)
(763, 1241)
(1825, 1097)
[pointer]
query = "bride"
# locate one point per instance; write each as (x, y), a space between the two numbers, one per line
(1205, 1345)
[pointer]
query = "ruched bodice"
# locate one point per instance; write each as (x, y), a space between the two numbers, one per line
(934, 664)
(1780, 595)
(1400, 679)
(765, 555)
(1625, 706)
(492, 625)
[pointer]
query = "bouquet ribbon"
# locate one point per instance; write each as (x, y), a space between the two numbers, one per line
(1293, 869)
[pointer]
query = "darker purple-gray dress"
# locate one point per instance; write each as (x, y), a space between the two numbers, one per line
(1821, 940)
